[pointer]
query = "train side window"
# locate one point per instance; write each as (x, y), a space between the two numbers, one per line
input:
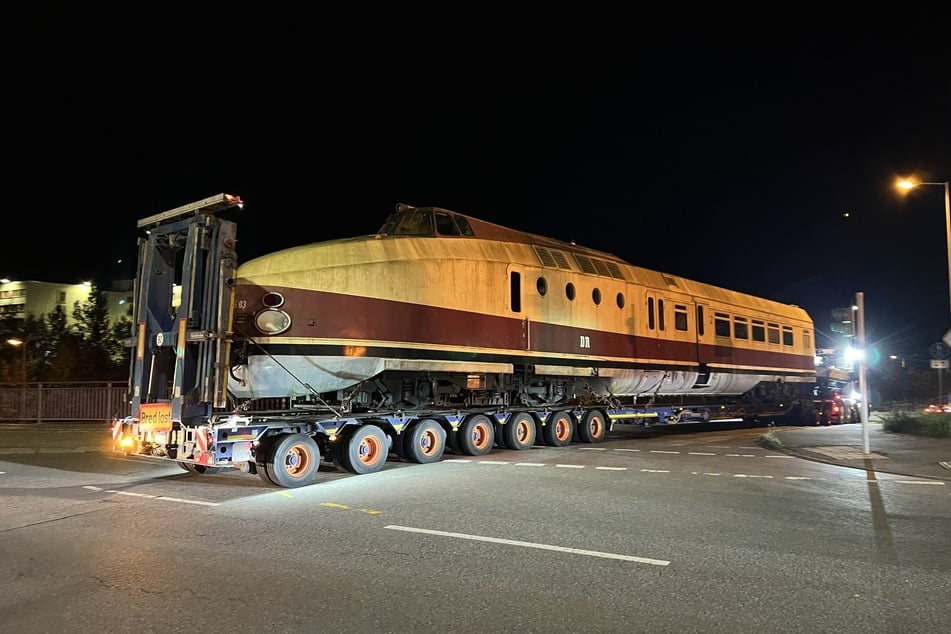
(700, 320)
(515, 280)
(772, 331)
(541, 285)
(596, 296)
(787, 336)
(741, 328)
(680, 317)
(759, 330)
(660, 315)
(806, 340)
(620, 300)
(570, 291)
(444, 224)
(650, 313)
(721, 324)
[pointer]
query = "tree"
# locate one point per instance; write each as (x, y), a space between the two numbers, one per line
(100, 344)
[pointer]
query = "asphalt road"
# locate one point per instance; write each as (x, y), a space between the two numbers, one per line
(677, 533)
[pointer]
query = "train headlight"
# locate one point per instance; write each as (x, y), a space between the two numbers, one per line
(272, 321)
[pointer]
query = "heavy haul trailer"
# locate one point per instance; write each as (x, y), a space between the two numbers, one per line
(179, 406)
(191, 404)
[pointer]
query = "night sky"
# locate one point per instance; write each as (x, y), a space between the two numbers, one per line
(760, 163)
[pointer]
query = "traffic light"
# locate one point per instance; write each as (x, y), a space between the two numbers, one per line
(844, 323)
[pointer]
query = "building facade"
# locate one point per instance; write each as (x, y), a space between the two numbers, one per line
(19, 298)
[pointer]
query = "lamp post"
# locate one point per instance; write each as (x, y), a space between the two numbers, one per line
(908, 184)
(20, 343)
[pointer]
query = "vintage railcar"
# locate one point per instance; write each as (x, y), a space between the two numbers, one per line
(442, 308)
(440, 330)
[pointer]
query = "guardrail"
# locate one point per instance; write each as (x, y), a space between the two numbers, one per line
(63, 401)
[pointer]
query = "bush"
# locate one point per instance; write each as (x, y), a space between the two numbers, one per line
(929, 425)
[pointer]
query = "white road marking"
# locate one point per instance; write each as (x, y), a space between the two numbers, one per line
(700, 453)
(150, 497)
(593, 448)
(494, 462)
(938, 482)
(512, 542)
(744, 475)
(530, 464)
(769, 455)
(570, 466)
(654, 471)
(610, 468)
(659, 451)
(631, 450)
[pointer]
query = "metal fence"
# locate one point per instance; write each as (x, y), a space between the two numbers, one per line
(77, 401)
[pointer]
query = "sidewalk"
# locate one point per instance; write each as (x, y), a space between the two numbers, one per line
(899, 454)
(55, 437)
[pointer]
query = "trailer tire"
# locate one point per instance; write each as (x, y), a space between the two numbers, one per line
(519, 431)
(364, 450)
(261, 457)
(424, 443)
(593, 426)
(476, 435)
(292, 461)
(559, 430)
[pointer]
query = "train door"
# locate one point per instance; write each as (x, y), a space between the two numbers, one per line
(656, 322)
(514, 305)
(704, 341)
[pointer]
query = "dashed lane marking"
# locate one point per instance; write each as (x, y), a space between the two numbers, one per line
(938, 482)
(160, 498)
(512, 542)
(706, 473)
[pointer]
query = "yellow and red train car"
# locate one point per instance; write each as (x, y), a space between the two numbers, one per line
(496, 315)
(439, 331)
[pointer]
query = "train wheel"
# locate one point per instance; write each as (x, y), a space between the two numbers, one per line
(425, 442)
(593, 426)
(559, 430)
(198, 468)
(519, 432)
(365, 450)
(476, 435)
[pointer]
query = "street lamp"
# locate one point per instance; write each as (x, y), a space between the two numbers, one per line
(13, 341)
(907, 185)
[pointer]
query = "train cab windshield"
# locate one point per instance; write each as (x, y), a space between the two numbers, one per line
(426, 222)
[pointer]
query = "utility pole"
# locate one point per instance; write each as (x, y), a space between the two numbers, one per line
(863, 386)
